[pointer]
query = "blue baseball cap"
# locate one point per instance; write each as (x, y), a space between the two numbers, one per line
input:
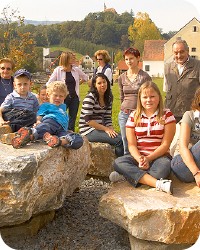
(21, 72)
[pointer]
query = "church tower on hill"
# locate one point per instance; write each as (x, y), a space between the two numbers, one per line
(109, 9)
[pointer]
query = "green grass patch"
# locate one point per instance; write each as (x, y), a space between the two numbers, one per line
(54, 48)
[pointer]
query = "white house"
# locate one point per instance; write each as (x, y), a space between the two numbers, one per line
(153, 57)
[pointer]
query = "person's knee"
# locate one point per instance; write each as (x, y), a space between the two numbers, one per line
(161, 172)
(182, 175)
(75, 140)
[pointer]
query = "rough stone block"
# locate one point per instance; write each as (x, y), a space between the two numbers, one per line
(36, 179)
(151, 215)
(102, 157)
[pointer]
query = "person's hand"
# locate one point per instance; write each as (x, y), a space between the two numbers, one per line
(35, 124)
(2, 122)
(143, 162)
(111, 132)
(197, 179)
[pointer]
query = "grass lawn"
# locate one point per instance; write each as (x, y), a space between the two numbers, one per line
(116, 103)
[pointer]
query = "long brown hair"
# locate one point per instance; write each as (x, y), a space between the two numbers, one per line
(139, 109)
(196, 100)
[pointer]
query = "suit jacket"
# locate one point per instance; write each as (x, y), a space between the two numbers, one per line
(181, 88)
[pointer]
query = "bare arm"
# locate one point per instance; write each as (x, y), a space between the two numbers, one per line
(109, 130)
(169, 133)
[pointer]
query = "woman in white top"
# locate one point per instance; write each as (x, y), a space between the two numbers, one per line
(103, 58)
(73, 77)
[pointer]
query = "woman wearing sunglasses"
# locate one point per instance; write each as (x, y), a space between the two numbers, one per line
(103, 58)
(6, 79)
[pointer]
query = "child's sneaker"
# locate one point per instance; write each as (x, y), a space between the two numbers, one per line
(7, 138)
(5, 129)
(51, 140)
(164, 185)
(115, 176)
(23, 136)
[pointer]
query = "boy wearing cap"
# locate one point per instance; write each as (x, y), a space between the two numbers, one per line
(20, 107)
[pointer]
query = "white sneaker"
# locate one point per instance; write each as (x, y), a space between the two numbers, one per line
(115, 176)
(164, 185)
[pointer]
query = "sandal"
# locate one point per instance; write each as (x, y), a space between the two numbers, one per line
(23, 136)
(51, 140)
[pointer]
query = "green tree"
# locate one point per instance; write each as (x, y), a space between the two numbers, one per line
(142, 29)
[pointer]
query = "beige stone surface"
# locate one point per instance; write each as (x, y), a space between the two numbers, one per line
(37, 178)
(151, 215)
(28, 228)
(137, 244)
(102, 158)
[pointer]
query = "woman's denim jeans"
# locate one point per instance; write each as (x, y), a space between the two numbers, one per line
(128, 167)
(102, 136)
(179, 168)
(122, 119)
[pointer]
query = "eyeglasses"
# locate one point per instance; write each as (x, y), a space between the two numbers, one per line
(3, 68)
(99, 59)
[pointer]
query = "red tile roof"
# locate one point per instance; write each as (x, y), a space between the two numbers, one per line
(154, 50)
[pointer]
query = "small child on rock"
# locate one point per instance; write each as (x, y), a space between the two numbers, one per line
(52, 122)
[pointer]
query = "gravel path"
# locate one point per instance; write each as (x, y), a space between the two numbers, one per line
(77, 225)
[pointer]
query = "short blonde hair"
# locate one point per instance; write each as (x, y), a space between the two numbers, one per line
(104, 54)
(8, 60)
(57, 86)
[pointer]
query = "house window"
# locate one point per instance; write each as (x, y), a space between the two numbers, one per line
(147, 67)
(193, 49)
(194, 28)
(193, 56)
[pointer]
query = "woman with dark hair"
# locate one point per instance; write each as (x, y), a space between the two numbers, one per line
(96, 115)
(129, 84)
(186, 161)
(73, 77)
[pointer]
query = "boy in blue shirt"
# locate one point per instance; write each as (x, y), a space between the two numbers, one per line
(52, 122)
(20, 107)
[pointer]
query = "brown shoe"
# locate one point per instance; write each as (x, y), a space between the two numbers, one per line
(7, 138)
(5, 129)
(51, 140)
(23, 136)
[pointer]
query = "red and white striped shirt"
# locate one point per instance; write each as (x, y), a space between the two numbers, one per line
(149, 133)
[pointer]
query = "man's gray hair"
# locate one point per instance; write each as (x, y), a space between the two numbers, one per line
(178, 41)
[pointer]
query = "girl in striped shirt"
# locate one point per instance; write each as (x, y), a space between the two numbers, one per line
(96, 115)
(149, 130)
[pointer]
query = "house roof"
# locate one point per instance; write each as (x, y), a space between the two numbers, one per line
(154, 50)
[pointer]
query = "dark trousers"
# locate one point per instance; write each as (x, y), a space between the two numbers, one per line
(19, 118)
(72, 103)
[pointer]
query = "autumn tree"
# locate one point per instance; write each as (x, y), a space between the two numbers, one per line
(15, 44)
(142, 29)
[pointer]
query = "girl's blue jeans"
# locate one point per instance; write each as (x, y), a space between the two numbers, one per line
(179, 168)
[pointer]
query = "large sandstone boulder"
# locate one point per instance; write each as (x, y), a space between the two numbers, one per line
(36, 179)
(102, 158)
(151, 215)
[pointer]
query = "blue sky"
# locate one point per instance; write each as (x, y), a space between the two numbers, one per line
(166, 14)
